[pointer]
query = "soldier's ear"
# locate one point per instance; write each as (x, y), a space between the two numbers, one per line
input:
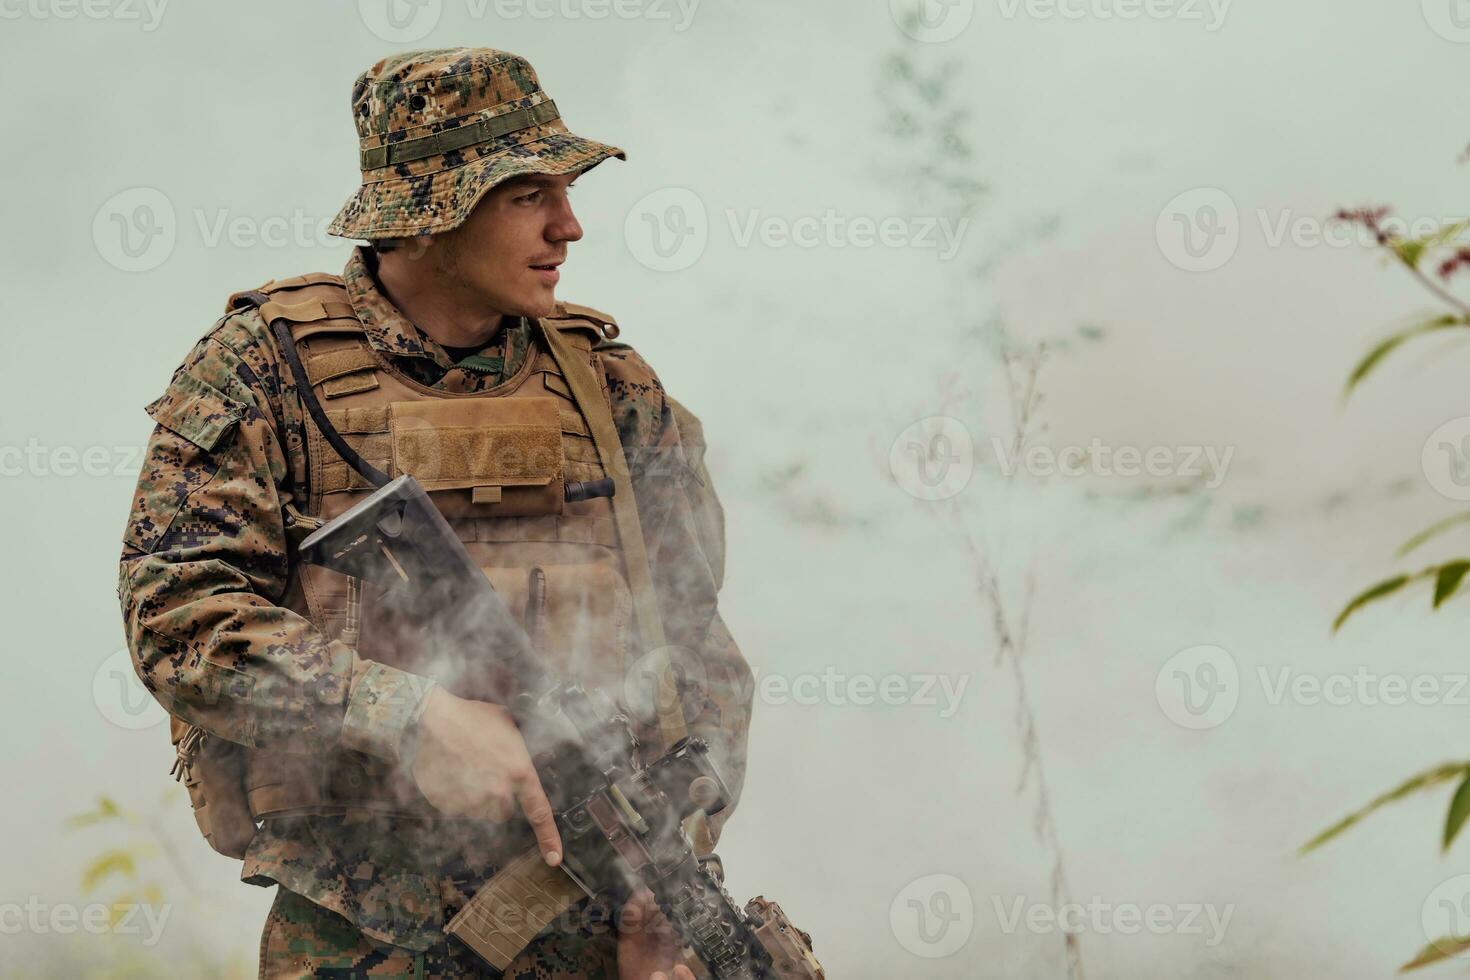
(411, 248)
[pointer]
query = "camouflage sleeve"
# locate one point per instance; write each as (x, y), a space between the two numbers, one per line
(205, 563)
(683, 524)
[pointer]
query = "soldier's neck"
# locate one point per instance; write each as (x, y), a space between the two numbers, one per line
(442, 314)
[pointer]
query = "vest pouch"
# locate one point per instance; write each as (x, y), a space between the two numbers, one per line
(580, 617)
(215, 778)
(295, 784)
(482, 457)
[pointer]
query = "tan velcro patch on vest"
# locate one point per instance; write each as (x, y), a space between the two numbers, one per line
(484, 445)
(334, 364)
(574, 423)
(307, 311)
(350, 384)
(356, 420)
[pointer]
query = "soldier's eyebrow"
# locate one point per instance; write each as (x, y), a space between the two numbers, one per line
(530, 180)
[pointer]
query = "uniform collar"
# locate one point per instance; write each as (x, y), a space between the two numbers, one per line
(388, 330)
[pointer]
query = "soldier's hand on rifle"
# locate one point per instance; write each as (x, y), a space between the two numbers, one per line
(646, 946)
(470, 761)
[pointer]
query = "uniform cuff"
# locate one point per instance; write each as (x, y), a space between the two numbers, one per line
(383, 712)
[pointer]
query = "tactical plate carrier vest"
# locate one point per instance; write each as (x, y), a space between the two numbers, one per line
(495, 463)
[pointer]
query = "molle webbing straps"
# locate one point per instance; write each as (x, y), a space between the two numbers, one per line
(309, 311)
(588, 393)
(482, 130)
(279, 325)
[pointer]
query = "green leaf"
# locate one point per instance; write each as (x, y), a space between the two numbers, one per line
(1433, 530)
(1385, 347)
(108, 863)
(1409, 251)
(1441, 949)
(1384, 588)
(1423, 781)
(106, 810)
(1446, 234)
(1459, 810)
(1447, 579)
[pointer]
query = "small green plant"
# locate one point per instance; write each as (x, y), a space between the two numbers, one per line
(1433, 261)
(140, 864)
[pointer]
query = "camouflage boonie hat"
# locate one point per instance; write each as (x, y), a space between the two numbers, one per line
(437, 129)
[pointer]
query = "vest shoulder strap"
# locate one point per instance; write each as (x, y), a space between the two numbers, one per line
(587, 392)
(573, 317)
(311, 304)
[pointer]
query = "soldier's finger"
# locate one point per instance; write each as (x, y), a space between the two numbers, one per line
(539, 814)
(633, 916)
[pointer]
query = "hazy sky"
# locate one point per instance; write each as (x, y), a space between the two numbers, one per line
(217, 137)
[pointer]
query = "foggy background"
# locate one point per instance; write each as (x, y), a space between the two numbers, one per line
(1157, 180)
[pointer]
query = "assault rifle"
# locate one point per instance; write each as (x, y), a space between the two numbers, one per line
(622, 823)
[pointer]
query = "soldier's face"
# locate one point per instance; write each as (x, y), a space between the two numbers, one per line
(506, 254)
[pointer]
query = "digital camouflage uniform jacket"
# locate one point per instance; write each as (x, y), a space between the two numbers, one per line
(205, 555)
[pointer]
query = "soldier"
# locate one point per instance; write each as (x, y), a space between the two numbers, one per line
(336, 765)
